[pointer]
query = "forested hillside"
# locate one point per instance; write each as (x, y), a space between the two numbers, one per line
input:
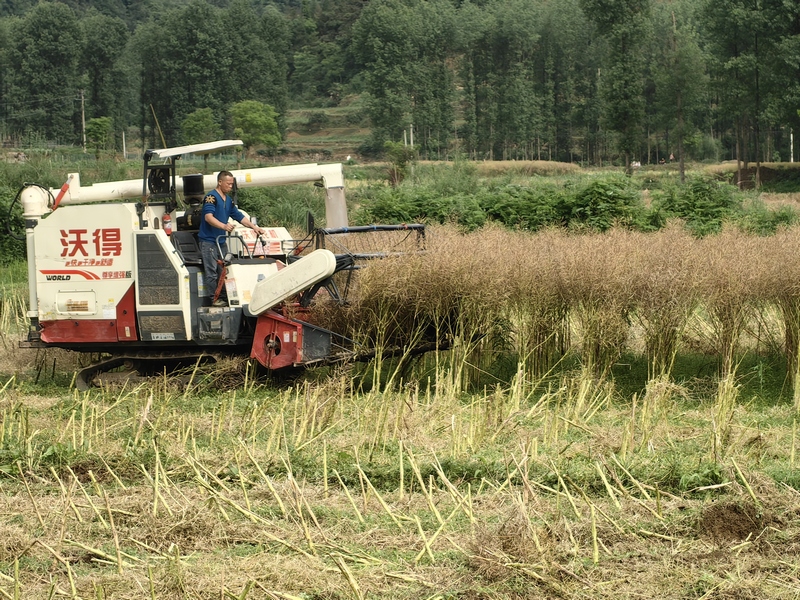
(574, 80)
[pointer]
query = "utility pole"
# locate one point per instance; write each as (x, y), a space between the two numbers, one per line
(83, 122)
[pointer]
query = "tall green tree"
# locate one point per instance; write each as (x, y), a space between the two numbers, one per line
(755, 61)
(9, 8)
(104, 40)
(258, 57)
(499, 63)
(335, 26)
(5, 80)
(199, 62)
(681, 80)
(149, 54)
(256, 123)
(782, 68)
(200, 126)
(322, 65)
(185, 63)
(43, 60)
(195, 57)
(100, 134)
(566, 65)
(404, 47)
(623, 24)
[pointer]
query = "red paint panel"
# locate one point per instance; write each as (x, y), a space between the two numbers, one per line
(278, 341)
(72, 330)
(126, 317)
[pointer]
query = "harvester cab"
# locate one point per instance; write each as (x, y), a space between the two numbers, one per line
(115, 269)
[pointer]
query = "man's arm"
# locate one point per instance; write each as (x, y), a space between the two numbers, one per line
(247, 223)
(217, 224)
(242, 218)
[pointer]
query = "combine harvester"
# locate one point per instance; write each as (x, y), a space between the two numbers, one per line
(108, 273)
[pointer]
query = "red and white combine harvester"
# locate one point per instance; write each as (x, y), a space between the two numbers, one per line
(115, 269)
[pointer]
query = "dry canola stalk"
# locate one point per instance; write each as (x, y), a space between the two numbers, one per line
(603, 282)
(70, 574)
(382, 502)
(348, 574)
(428, 493)
(429, 541)
(349, 497)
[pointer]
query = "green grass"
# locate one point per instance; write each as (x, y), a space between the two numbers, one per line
(14, 275)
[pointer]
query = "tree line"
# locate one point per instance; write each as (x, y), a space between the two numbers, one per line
(587, 81)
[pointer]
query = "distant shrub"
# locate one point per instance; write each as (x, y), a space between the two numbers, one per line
(784, 180)
(284, 206)
(526, 167)
(371, 148)
(459, 197)
(454, 178)
(760, 220)
(523, 207)
(703, 203)
(407, 204)
(602, 204)
(356, 118)
(313, 121)
(430, 194)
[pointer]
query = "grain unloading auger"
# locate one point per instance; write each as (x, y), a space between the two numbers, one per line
(111, 276)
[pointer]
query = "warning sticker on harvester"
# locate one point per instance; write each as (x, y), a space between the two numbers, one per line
(78, 305)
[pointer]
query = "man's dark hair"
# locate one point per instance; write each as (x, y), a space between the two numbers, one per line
(223, 174)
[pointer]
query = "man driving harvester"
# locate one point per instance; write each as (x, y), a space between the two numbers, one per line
(218, 208)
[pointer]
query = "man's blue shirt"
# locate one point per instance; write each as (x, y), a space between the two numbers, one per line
(222, 209)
